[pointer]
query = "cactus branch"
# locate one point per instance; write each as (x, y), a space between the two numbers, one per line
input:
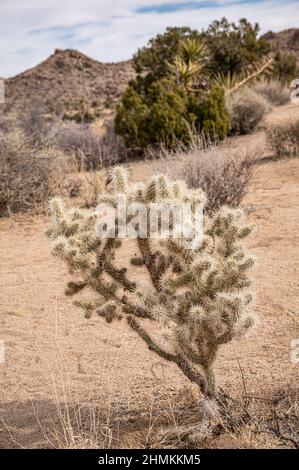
(191, 374)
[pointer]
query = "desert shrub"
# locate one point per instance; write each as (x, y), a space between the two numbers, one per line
(274, 91)
(222, 175)
(79, 112)
(27, 178)
(161, 117)
(91, 151)
(212, 118)
(246, 109)
(283, 139)
(151, 62)
(80, 117)
(200, 297)
(234, 46)
(113, 146)
(169, 114)
(285, 68)
(38, 128)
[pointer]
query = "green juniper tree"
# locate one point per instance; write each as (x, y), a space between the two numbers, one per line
(173, 100)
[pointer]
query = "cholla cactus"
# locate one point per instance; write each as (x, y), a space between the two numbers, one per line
(200, 296)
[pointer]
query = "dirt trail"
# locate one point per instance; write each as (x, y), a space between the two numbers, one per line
(51, 350)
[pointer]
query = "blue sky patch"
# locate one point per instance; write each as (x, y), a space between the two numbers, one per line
(180, 6)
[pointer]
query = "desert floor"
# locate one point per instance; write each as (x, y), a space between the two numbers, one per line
(54, 356)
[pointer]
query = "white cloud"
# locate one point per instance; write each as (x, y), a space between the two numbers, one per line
(111, 31)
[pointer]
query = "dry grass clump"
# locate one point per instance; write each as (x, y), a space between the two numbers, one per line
(283, 139)
(244, 422)
(92, 152)
(261, 421)
(37, 162)
(39, 129)
(223, 176)
(27, 177)
(275, 92)
(247, 109)
(81, 426)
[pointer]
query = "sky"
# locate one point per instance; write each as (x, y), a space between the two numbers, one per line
(113, 30)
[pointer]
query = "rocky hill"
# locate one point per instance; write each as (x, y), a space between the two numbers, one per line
(286, 41)
(67, 81)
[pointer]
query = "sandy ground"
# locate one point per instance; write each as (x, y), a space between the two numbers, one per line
(53, 355)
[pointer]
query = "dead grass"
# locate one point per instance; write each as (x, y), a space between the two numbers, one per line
(28, 177)
(268, 421)
(91, 152)
(248, 421)
(223, 174)
(275, 92)
(283, 138)
(247, 110)
(60, 82)
(77, 424)
(40, 130)
(245, 422)
(223, 177)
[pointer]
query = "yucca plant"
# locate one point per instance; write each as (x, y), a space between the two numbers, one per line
(190, 62)
(192, 49)
(232, 82)
(200, 296)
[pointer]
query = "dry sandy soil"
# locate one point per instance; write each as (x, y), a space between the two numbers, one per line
(53, 356)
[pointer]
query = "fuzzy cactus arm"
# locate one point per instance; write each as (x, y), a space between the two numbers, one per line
(149, 260)
(119, 275)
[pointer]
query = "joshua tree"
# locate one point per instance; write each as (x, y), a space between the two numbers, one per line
(200, 296)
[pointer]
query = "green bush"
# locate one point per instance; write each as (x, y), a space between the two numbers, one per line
(168, 118)
(173, 96)
(212, 117)
(169, 114)
(285, 67)
(151, 62)
(131, 118)
(234, 47)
